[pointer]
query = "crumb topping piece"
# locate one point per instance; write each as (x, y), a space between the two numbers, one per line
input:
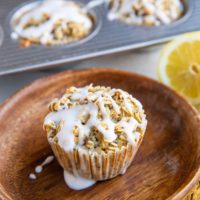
(95, 118)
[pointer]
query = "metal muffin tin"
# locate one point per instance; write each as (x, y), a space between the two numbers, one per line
(108, 37)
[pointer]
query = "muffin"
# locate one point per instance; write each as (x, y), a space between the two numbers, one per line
(146, 12)
(53, 22)
(94, 132)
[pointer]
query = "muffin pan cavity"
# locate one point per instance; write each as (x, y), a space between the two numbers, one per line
(51, 22)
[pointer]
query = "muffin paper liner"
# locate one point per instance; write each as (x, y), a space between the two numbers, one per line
(92, 165)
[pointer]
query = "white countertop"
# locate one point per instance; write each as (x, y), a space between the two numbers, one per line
(142, 61)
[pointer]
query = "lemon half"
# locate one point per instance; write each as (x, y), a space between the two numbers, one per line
(179, 66)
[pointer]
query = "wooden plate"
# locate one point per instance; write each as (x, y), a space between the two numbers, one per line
(166, 166)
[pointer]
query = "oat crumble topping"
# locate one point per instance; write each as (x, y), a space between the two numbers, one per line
(116, 111)
(146, 12)
(53, 22)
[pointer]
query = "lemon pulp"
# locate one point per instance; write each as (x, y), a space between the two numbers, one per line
(179, 66)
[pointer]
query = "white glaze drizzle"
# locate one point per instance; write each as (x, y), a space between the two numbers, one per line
(39, 168)
(93, 3)
(48, 160)
(157, 12)
(71, 118)
(32, 176)
(56, 9)
(77, 182)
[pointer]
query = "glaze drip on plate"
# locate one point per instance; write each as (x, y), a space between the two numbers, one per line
(39, 168)
(77, 182)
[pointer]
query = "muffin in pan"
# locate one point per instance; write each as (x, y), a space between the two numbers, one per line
(94, 132)
(146, 12)
(52, 22)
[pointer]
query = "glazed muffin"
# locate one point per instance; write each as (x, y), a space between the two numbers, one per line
(146, 12)
(95, 131)
(53, 22)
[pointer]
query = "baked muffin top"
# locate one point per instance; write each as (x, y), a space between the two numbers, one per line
(95, 118)
(54, 22)
(146, 12)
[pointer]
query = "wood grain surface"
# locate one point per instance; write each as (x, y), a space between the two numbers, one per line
(166, 165)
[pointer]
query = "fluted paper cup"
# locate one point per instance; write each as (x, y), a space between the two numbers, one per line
(93, 165)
